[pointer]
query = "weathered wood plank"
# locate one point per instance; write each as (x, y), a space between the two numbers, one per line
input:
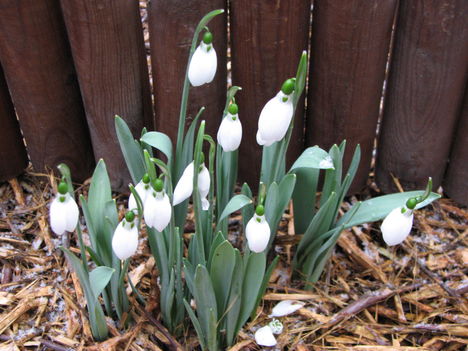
(349, 51)
(425, 89)
(171, 27)
(39, 70)
(13, 156)
(267, 39)
(106, 39)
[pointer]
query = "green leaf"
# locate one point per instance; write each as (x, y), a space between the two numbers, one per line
(313, 157)
(253, 277)
(159, 141)
(236, 203)
(301, 77)
(304, 196)
(235, 299)
(264, 285)
(99, 194)
(206, 302)
(131, 151)
(99, 278)
(247, 211)
(196, 325)
(221, 271)
(379, 207)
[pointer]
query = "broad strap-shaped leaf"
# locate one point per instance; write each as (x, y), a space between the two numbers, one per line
(313, 157)
(99, 277)
(235, 300)
(99, 194)
(222, 267)
(304, 196)
(131, 151)
(236, 203)
(159, 141)
(196, 325)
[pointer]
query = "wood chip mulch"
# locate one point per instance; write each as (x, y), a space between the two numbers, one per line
(370, 297)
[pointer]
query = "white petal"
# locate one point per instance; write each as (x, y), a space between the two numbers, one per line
(286, 307)
(143, 191)
(57, 216)
(204, 182)
(274, 119)
(230, 133)
(396, 226)
(257, 234)
(184, 187)
(205, 204)
(72, 213)
(260, 141)
(264, 336)
(125, 240)
(203, 64)
(158, 211)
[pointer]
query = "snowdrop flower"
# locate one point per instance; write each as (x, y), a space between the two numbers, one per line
(286, 307)
(264, 336)
(143, 188)
(230, 130)
(202, 67)
(397, 225)
(184, 187)
(257, 231)
(276, 116)
(125, 239)
(158, 209)
(63, 211)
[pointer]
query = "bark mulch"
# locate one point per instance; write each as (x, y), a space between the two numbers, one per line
(370, 297)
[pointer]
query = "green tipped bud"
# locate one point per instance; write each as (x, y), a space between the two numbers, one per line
(207, 38)
(288, 86)
(260, 210)
(158, 185)
(146, 178)
(129, 216)
(233, 109)
(62, 188)
(411, 203)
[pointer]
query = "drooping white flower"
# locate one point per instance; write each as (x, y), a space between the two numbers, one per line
(125, 239)
(143, 188)
(264, 336)
(184, 187)
(286, 307)
(158, 210)
(203, 64)
(274, 119)
(397, 226)
(230, 130)
(257, 231)
(63, 211)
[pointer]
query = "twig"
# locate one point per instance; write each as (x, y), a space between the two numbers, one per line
(54, 346)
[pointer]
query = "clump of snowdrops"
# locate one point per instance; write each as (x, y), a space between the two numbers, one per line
(218, 286)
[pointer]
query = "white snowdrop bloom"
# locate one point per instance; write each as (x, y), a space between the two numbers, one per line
(143, 188)
(203, 64)
(125, 239)
(286, 307)
(257, 232)
(63, 211)
(264, 336)
(397, 226)
(274, 119)
(158, 210)
(230, 130)
(184, 187)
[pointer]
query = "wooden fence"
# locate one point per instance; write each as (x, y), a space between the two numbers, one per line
(71, 65)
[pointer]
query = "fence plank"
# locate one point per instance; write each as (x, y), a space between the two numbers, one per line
(350, 44)
(107, 44)
(13, 157)
(456, 178)
(425, 90)
(267, 39)
(39, 70)
(171, 27)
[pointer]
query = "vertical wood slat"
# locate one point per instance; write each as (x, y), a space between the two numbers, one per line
(425, 90)
(13, 157)
(107, 44)
(39, 70)
(350, 44)
(267, 40)
(171, 27)
(456, 179)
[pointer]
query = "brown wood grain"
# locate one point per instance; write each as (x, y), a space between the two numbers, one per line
(13, 156)
(267, 39)
(39, 70)
(171, 27)
(106, 39)
(425, 90)
(349, 50)
(456, 179)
